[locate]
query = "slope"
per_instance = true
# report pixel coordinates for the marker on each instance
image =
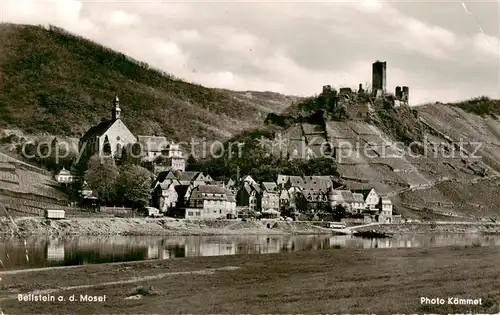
(57, 83)
(424, 158)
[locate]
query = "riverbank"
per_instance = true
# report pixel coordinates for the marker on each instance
(148, 226)
(434, 227)
(378, 281)
(100, 226)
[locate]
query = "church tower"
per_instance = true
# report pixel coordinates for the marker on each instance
(116, 111)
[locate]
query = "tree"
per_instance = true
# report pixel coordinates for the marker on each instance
(191, 163)
(339, 212)
(132, 154)
(102, 176)
(133, 186)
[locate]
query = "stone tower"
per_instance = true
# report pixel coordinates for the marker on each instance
(116, 111)
(399, 93)
(379, 69)
(406, 94)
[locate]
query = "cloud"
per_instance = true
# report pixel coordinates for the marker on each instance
(121, 18)
(293, 47)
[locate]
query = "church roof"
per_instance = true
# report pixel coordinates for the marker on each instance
(98, 130)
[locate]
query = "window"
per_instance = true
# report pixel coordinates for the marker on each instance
(198, 213)
(190, 213)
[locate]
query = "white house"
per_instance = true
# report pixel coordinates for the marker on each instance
(385, 214)
(359, 203)
(165, 196)
(207, 202)
(370, 196)
(64, 177)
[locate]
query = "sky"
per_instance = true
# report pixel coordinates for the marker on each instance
(443, 50)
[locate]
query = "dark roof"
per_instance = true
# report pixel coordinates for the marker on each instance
(210, 189)
(200, 191)
(98, 130)
(181, 190)
(188, 176)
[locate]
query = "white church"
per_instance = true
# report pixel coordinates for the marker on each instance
(111, 136)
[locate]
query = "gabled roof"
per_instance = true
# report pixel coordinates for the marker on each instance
(209, 192)
(347, 196)
(188, 176)
(210, 189)
(269, 187)
(166, 185)
(165, 175)
(219, 183)
(64, 172)
(98, 130)
(364, 192)
(153, 143)
(181, 190)
(249, 178)
(250, 187)
(358, 197)
(230, 183)
(343, 195)
(296, 180)
(282, 179)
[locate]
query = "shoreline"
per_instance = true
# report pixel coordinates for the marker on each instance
(32, 226)
(286, 283)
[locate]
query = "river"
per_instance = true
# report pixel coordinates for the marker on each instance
(45, 252)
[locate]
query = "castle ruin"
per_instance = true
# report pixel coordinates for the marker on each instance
(378, 89)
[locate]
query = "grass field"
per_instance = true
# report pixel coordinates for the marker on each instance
(375, 281)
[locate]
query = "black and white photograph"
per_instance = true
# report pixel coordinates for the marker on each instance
(249, 157)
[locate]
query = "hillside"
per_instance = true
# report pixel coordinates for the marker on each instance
(53, 82)
(423, 157)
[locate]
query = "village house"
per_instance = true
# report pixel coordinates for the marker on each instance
(164, 196)
(343, 198)
(231, 185)
(152, 146)
(248, 179)
(289, 197)
(269, 199)
(209, 202)
(64, 177)
(183, 194)
(358, 204)
(231, 205)
(385, 206)
(165, 192)
(248, 195)
(370, 197)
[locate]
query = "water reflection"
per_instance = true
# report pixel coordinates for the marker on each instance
(91, 250)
